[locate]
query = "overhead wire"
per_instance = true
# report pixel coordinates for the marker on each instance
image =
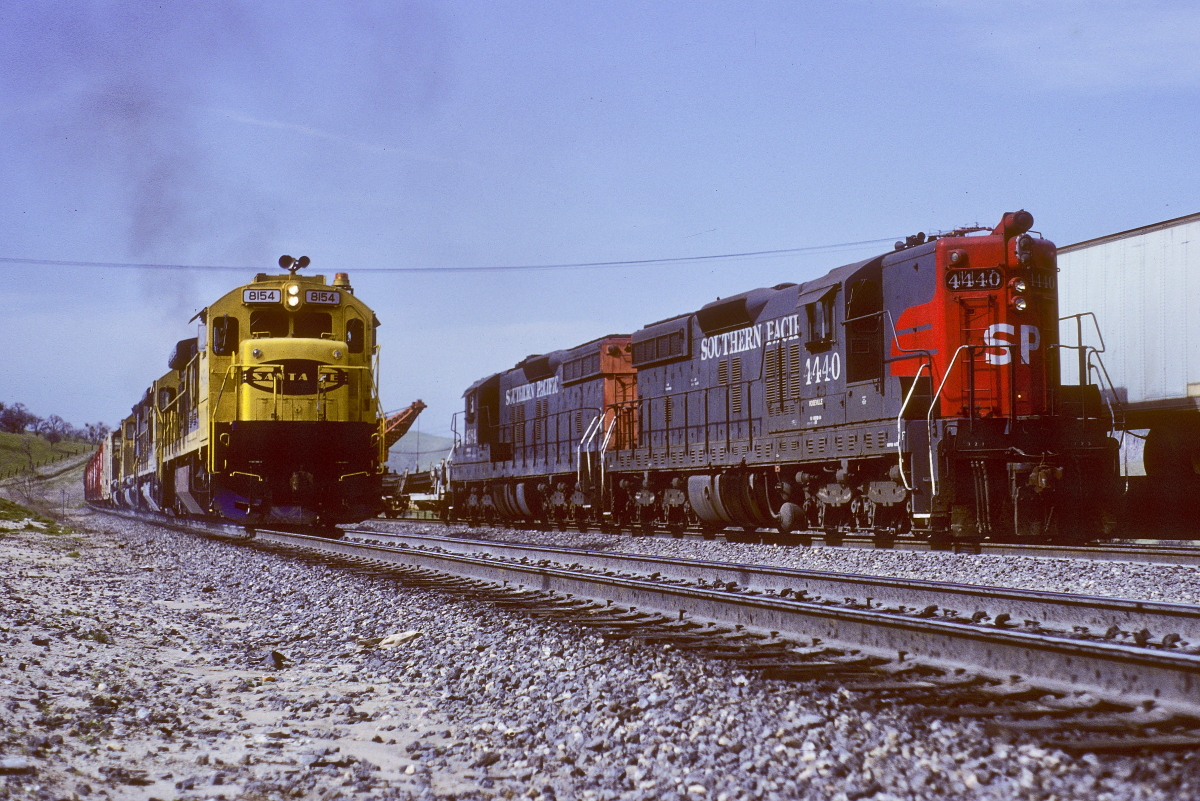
(472, 269)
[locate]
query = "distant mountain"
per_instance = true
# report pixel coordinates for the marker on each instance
(416, 450)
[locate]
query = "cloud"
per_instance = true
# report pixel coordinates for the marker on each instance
(317, 133)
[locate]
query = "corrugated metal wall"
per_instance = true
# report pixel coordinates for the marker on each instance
(1144, 287)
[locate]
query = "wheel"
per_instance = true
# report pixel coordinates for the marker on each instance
(791, 518)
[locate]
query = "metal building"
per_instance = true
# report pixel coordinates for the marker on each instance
(1143, 286)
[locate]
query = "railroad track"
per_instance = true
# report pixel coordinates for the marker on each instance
(1147, 623)
(1171, 552)
(1077, 674)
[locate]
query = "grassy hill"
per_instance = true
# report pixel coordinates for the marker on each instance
(17, 451)
(419, 451)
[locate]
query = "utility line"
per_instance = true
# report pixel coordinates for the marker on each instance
(481, 269)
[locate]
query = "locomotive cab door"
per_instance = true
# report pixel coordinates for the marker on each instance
(981, 380)
(864, 351)
(822, 378)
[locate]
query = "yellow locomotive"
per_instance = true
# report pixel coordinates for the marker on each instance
(270, 414)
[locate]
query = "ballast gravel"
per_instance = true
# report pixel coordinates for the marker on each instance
(142, 663)
(1118, 579)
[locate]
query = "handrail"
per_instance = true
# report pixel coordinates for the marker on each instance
(900, 421)
(896, 341)
(556, 433)
(588, 435)
(1112, 400)
(1085, 360)
(604, 446)
(1078, 318)
(933, 405)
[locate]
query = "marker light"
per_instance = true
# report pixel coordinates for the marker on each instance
(1024, 248)
(256, 353)
(337, 354)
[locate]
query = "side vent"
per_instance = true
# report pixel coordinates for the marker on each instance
(663, 342)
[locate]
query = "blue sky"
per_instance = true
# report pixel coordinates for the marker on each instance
(449, 135)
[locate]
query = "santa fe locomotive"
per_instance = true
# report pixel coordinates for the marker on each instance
(917, 391)
(270, 414)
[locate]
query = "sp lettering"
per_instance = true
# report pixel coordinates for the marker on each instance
(998, 336)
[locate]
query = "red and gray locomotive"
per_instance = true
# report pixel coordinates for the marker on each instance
(915, 391)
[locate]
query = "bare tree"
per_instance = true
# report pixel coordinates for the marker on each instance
(16, 418)
(54, 429)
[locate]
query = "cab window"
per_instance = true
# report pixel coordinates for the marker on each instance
(820, 322)
(224, 335)
(312, 325)
(268, 323)
(355, 335)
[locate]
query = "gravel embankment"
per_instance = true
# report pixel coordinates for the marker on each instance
(141, 664)
(1149, 582)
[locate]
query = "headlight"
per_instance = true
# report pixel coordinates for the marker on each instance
(1020, 304)
(293, 289)
(293, 301)
(1018, 285)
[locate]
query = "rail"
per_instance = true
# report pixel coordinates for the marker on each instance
(1061, 612)
(1132, 675)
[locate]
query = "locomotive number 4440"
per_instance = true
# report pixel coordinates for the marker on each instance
(974, 279)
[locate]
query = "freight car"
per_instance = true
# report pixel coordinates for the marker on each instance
(269, 414)
(915, 391)
(1143, 341)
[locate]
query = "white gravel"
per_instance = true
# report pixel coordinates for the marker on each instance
(151, 651)
(1141, 581)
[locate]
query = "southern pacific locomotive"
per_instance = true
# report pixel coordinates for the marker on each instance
(269, 414)
(915, 391)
